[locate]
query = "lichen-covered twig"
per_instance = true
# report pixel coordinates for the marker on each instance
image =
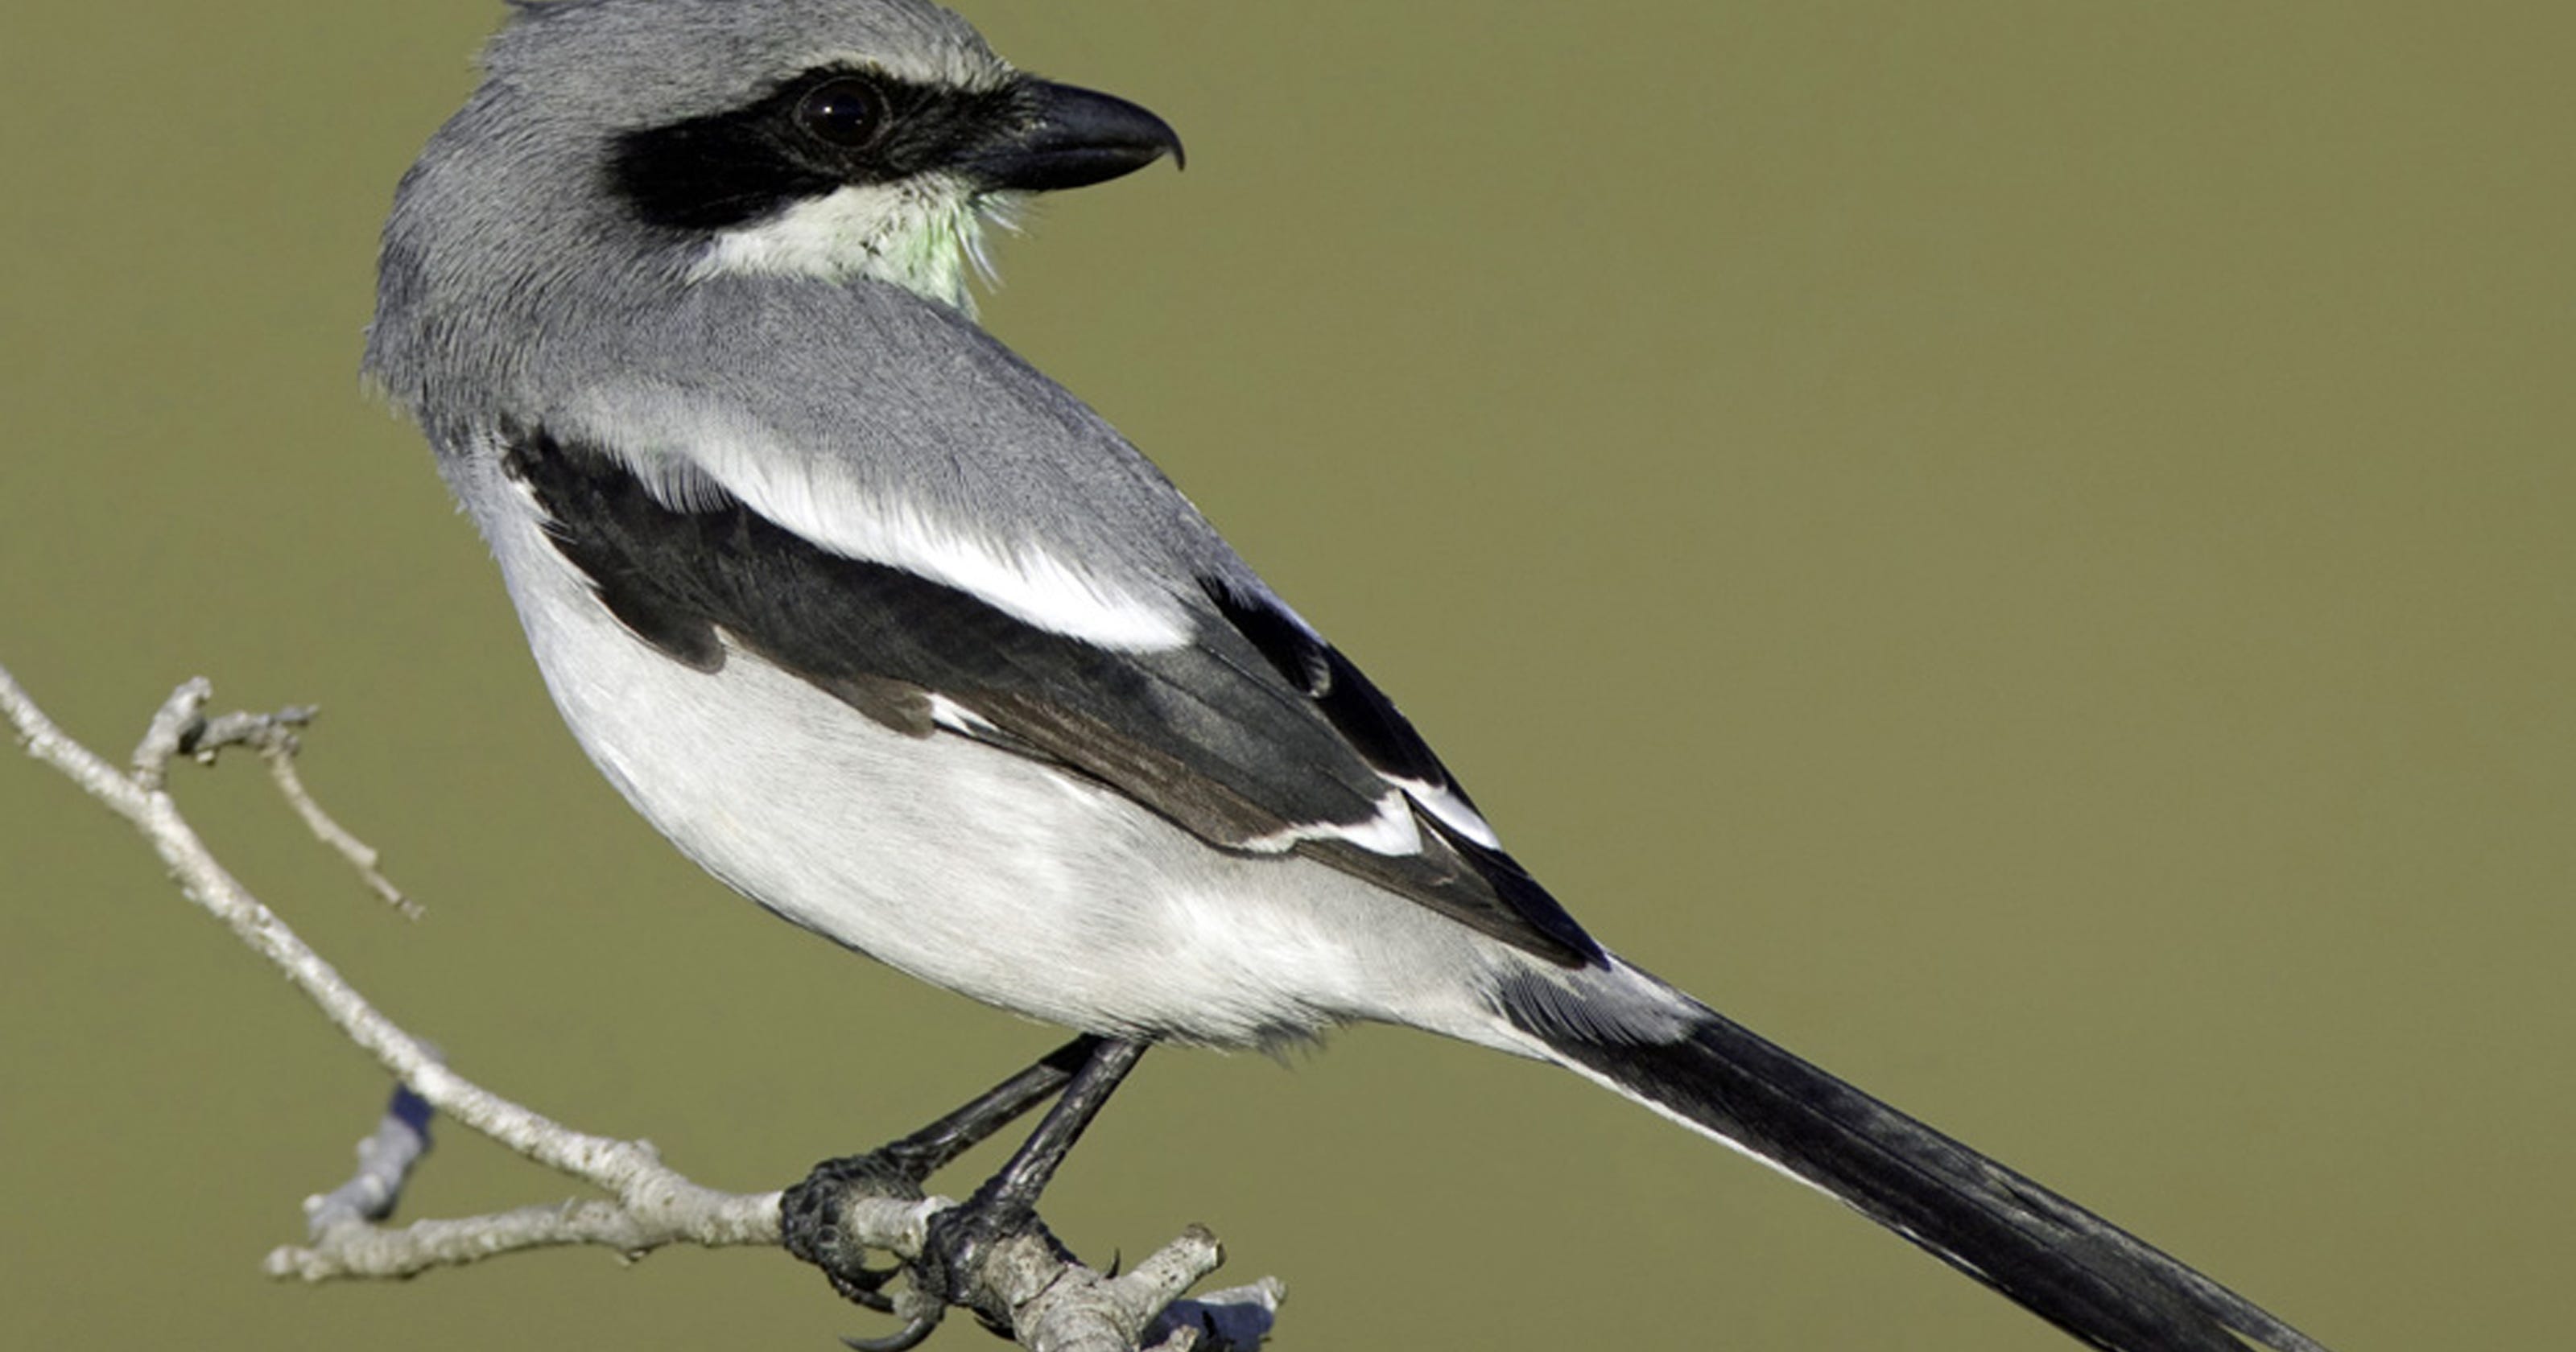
(1056, 1304)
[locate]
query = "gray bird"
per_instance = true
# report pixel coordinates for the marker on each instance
(900, 640)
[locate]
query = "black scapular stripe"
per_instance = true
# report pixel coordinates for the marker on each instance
(1209, 735)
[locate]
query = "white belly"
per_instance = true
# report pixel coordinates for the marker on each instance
(970, 867)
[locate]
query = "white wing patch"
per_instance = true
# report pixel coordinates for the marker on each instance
(956, 717)
(1441, 801)
(1391, 832)
(686, 450)
(1450, 810)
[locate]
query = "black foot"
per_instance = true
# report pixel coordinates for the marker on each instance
(957, 1240)
(809, 1216)
(955, 1244)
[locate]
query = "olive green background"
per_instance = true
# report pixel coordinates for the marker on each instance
(2020, 548)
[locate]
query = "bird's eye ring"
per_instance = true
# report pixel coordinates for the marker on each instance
(844, 111)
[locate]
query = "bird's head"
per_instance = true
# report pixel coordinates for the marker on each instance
(688, 139)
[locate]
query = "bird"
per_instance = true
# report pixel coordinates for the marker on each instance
(896, 637)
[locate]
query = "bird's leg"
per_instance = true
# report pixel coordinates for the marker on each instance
(1006, 1205)
(809, 1213)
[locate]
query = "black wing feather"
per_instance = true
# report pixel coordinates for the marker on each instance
(1255, 729)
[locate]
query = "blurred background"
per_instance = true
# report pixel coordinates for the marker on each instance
(2022, 550)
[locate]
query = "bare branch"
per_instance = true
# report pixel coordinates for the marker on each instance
(141, 800)
(168, 730)
(49, 745)
(1065, 1307)
(273, 736)
(1054, 1304)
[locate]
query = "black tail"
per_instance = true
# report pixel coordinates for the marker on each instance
(2056, 1259)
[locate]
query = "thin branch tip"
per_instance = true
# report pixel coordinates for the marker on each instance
(168, 731)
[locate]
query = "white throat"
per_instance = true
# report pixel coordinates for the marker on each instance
(925, 235)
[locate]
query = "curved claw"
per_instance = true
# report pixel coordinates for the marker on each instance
(810, 1229)
(909, 1337)
(860, 1284)
(862, 1289)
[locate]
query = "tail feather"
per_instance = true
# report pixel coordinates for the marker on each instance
(2054, 1258)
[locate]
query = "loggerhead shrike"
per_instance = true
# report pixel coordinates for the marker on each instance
(900, 640)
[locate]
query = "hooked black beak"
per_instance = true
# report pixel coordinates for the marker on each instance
(1072, 138)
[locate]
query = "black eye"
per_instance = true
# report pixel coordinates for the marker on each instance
(845, 111)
